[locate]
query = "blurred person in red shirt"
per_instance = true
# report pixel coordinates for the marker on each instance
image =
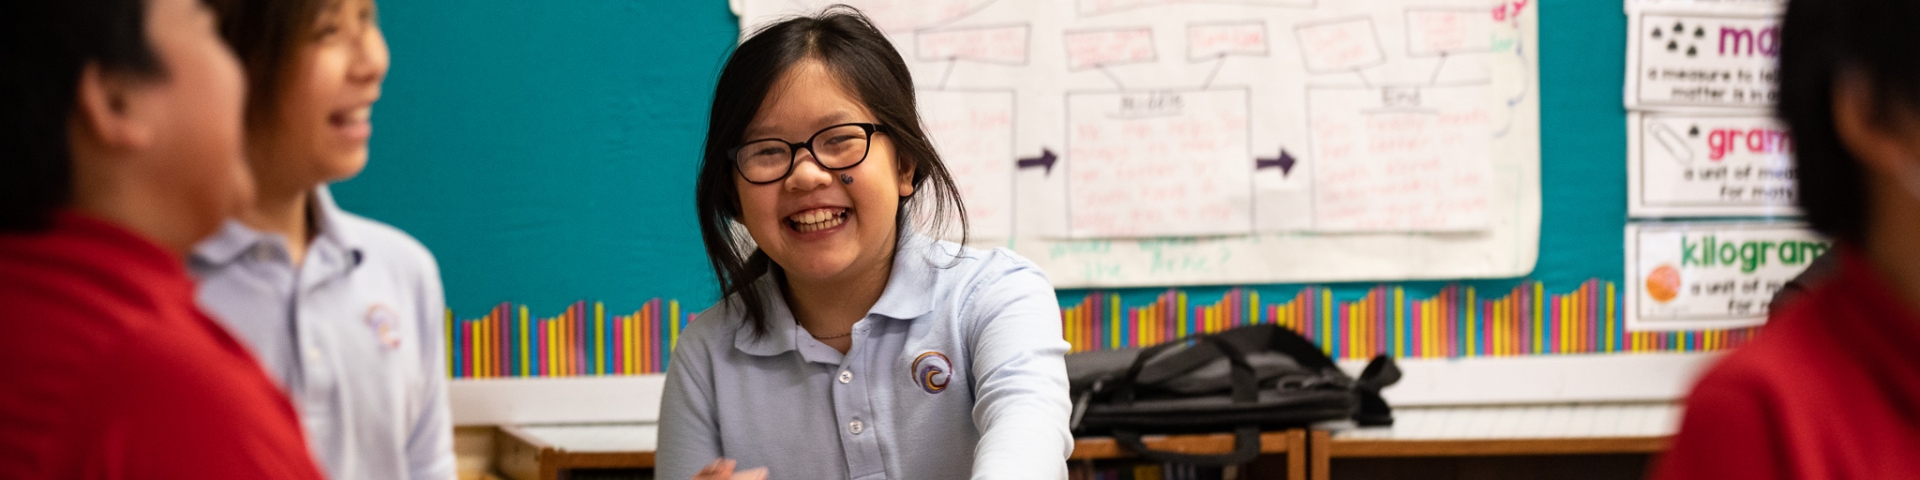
(120, 141)
(1831, 389)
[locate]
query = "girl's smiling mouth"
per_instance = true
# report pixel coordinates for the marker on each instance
(816, 219)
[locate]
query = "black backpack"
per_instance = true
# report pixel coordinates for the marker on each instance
(1243, 380)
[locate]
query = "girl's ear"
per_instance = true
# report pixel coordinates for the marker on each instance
(906, 178)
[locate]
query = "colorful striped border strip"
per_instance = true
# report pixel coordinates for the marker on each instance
(580, 341)
(1455, 322)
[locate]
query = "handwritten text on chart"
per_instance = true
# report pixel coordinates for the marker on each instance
(905, 15)
(1711, 161)
(1436, 31)
(1704, 61)
(1097, 48)
(1210, 40)
(1170, 163)
(1340, 45)
(973, 131)
(1175, 256)
(1095, 7)
(1681, 275)
(1510, 11)
(1004, 45)
(1401, 158)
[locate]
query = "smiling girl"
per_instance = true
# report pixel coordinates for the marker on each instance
(848, 344)
(344, 312)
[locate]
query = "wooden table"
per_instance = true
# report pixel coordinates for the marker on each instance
(1572, 429)
(543, 452)
(1293, 443)
(532, 452)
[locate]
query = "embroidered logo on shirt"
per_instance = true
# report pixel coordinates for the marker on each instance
(931, 371)
(384, 322)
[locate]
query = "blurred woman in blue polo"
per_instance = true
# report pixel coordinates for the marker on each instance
(344, 312)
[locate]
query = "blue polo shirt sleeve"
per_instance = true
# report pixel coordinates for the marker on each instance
(1018, 353)
(689, 438)
(430, 443)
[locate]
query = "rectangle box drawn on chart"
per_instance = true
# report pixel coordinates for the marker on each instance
(1101, 7)
(1088, 49)
(1159, 163)
(1339, 45)
(973, 130)
(1002, 44)
(1401, 158)
(1441, 31)
(1208, 41)
(890, 16)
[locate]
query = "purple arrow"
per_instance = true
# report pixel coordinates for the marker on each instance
(1045, 160)
(1285, 163)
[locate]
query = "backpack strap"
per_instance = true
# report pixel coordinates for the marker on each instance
(1293, 345)
(1246, 389)
(1374, 411)
(1123, 387)
(1380, 373)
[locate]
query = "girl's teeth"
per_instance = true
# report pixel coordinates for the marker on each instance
(816, 220)
(815, 216)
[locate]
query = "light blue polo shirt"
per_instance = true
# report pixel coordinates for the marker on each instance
(957, 372)
(353, 335)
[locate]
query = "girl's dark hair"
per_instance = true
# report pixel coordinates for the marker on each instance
(1820, 40)
(44, 46)
(866, 64)
(267, 35)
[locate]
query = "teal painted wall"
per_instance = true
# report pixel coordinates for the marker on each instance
(545, 151)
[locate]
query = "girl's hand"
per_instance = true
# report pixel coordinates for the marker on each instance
(722, 469)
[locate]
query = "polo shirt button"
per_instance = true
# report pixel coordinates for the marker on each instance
(856, 427)
(846, 377)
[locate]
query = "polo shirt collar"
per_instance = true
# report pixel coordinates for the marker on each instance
(328, 217)
(227, 244)
(1874, 316)
(781, 327)
(235, 238)
(908, 295)
(111, 246)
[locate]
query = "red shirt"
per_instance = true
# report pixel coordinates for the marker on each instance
(1830, 390)
(108, 369)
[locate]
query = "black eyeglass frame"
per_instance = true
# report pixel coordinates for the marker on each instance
(793, 150)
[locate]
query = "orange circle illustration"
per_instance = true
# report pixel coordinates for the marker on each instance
(1664, 283)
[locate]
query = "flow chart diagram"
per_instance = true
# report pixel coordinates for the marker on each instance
(1245, 124)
